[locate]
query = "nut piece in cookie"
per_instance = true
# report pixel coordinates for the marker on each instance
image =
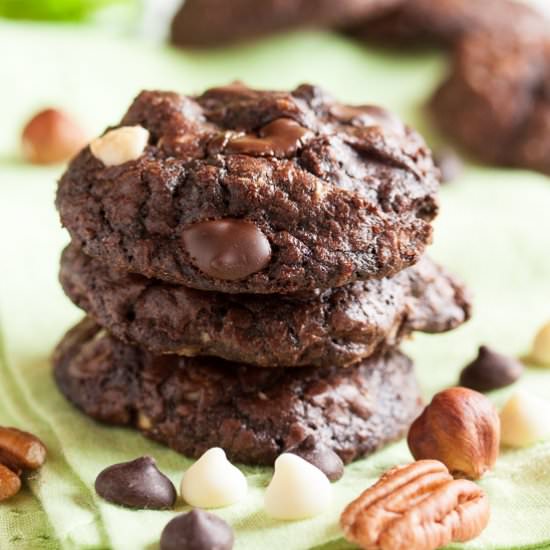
(298, 490)
(490, 371)
(52, 136)
(460, 428)
(120, 145)
(416, 507)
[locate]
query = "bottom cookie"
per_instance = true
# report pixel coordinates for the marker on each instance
(254, 414)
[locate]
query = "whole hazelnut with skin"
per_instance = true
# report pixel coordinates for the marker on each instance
(460, 428)
(50, 137)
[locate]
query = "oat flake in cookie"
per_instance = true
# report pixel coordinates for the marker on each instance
(254, 414)
(324, 193)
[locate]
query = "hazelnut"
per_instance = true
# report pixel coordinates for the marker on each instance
(524, 420)
(120, 145)
(460, 428)
(52, 136)
(540, 353)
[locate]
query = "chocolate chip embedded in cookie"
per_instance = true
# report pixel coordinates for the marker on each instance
(227, 249)
(216, 22)
(496, 101)
(240, 190)
(444, 22)
(335, 327)
(253, 414)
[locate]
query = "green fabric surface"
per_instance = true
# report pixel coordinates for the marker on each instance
(494, 231)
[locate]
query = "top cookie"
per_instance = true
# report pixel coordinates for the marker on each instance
(215, 22)
(239, 190)
(443, 22)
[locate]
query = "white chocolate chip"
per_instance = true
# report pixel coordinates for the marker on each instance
(120, 145)
(213, 482)
(524, 420)
(298, 490)
(541, 347)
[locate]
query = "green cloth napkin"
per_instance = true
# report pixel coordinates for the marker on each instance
(494, 230)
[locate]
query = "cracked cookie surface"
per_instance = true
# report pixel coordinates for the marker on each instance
(330, 328)
(321, 193)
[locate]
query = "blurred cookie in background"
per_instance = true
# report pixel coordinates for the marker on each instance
(205, 23)
(444, 22)
(496, 101)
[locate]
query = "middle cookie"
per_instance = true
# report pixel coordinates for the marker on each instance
(335, 327)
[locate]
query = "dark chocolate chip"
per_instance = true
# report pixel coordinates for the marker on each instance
(197, 530)
(279, 138)
(367, 115)
(490, 371)
(320, 456)
(136, 484)
(227, 249)
(449, 164)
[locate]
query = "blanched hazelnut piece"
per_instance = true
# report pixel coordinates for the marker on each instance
(525, 419)
(540, 353)
(52, 136)
(213, 482)
(460, 428)
(120, 145)
(298, 490)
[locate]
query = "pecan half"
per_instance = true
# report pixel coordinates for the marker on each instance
(416, 507)
(9, 483)
(21, 450)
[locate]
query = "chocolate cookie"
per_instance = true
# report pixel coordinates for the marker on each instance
(335, 327)
(496, 101)
(216, 22)
(192, 404)
(444, 22)
(241, 190)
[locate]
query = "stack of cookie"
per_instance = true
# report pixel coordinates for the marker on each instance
(249, 262)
